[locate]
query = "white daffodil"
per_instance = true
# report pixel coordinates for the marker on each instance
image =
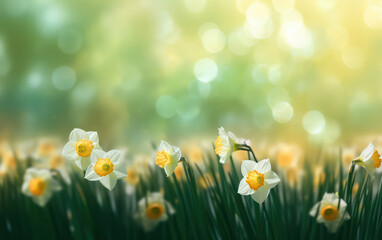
(39, 184)
(152, 210)
(227, 143)
(370, 159)
(106, 168)
(80, 147)
(257, 180)
(167, 157)
(329, 214)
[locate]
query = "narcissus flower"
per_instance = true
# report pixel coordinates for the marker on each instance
(80, 146)
(329, 213)
(257, 180)
(152, 210)
(227, 143)
(106, 168)
(39, 184)
(370, 159)
(167, 157)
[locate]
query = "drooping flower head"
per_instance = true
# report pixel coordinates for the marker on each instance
(258, 179)
(106, 168)
(226, 143)
(329, 213)
(39, 185)
(152, 210)
(370, 159)
(167, 157)
(80, 146)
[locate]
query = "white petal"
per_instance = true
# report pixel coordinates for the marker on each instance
(43, 199)
(222, 133)
(169, 207)
(69, 151)
(91, 175)
(93, 136)
(83, 163)
(272, 179)
(25, 188)
(244, 188)
(176, 155)
(313, 211)
(77, 134)
(109, 181)
(332, 225)
(367, 153)
(114, 156)
(96, 154)
(246, 166)
(165, 146)
(264, 166)
(369, 168)
(260, 194)
(169, 168)
(120, 173)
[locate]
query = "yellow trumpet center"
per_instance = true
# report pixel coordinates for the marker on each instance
(163, 158)
(376, 159)
(154, 211)
(329, 213)
(37, 186)
(84, 147)
(255, 179)
(218, 145)
(103, 167)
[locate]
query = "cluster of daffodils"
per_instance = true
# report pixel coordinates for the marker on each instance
(257, 180)
(331, 211)
(152, 210)
(370, 159)
(84, 150)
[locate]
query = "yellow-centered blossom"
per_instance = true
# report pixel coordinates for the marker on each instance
(80, 147)
(167, 157)
(106, 167)
(226, 143)
(370, 159)
(39, 185)
(258, 179)
(329, 213)
(152, 210)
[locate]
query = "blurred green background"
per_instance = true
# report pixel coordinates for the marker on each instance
(140, 71)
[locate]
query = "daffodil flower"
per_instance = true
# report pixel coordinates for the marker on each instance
(329, 213)
(106, 168)
(370, 159)
(167, 157)
(257, 180)
(80, 146)
(152, 210)
(39, 185)
(226, 143)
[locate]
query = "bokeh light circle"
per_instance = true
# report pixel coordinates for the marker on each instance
(63, 78)
(166, 106)
(282, 112)
(313, 122)
(205, 70)
(213, 40)
(69, 41)
(258, 13)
